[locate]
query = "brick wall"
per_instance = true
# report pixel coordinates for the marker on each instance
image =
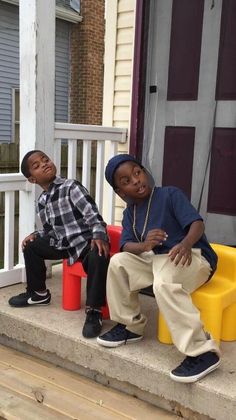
(87, 51)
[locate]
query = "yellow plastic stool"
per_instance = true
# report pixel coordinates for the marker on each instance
(216, 300)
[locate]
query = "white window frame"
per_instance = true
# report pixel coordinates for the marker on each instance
(13, 113)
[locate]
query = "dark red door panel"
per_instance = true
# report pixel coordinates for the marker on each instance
(178, 158)
(222, 182)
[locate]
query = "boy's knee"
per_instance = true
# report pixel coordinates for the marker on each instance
(166, 289)
(28, 247)
(118, 259)
(94, 257)
(160, 287)
(156, 289)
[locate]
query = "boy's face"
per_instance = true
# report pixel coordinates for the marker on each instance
(132, 182)
(42, 169)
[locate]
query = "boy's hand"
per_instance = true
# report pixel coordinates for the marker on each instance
(181, 252)
(154, 237)
(103, 247)
(28, 238)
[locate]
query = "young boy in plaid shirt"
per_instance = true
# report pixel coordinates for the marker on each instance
(72, 228)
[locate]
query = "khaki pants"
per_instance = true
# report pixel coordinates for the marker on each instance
(172, 285)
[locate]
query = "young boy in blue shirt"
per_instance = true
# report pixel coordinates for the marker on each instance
(72, 228)
(163, 244)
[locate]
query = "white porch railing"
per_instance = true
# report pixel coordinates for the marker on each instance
(89, 134)
(11, 183)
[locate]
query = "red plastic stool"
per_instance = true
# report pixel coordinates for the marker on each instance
(72, 274)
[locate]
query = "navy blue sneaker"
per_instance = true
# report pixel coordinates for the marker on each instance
(117, 336)
(194, 368)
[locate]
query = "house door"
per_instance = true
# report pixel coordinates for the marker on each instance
(190, 106)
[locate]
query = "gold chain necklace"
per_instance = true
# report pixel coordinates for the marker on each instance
(146, 218)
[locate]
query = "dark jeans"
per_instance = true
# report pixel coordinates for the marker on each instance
(39, 250)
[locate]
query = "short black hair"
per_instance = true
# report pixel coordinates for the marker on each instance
(24, 163)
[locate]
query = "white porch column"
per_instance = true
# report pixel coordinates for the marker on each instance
(37, 92)
(108, 98)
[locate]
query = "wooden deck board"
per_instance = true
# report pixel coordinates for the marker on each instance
(31, 389)
(16, 407)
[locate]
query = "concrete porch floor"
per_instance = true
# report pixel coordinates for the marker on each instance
(141, 369)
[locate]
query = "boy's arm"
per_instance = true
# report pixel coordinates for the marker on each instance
(88, 208)
(182, 251)
(45, 228)
(154, 237)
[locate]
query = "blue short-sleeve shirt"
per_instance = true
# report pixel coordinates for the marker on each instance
(171, 211)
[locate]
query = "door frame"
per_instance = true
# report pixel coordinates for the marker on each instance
(139, 77)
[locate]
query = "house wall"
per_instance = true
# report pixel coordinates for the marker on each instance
(87, 54)
(119, 46)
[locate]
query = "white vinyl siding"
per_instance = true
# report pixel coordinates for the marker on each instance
(123, 64)
(117, 89)
(9, 65)
(62, 70)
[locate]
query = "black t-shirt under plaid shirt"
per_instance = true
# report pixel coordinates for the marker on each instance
(70, 217)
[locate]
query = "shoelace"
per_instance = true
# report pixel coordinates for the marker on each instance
(191, 362)
(117, 329)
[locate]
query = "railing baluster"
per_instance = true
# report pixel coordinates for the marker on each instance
(100, 174)
(72, 158)
(86, 170)
(57, 155)
(111, 195)
(9, 226)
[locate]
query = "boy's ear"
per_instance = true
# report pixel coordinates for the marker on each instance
(32, 180)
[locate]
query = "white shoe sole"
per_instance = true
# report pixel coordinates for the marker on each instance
(31, 305)
(190, 379)
(113, 344)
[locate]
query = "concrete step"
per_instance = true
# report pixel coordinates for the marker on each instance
(141, 369)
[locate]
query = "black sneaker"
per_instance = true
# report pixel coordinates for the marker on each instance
(117, 336)
(194, 368)
(93, 323)
(30, 299)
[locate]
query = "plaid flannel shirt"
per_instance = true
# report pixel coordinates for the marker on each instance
(70, 217)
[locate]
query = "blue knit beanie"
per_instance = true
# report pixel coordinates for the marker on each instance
(113, 164)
